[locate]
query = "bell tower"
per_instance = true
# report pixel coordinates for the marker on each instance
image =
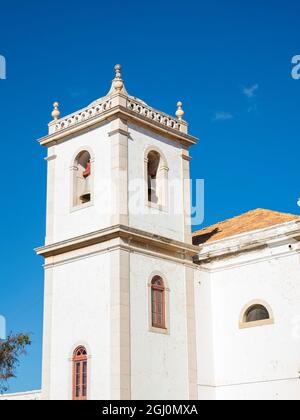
(119, 274)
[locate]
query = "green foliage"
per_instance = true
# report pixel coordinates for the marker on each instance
(11, 350)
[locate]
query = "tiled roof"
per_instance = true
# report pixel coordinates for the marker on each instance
(247, 222)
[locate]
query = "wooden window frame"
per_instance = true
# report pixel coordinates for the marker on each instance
(80, 374)
(243, 324)
(156, 291)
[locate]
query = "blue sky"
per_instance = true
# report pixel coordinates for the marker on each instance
(230, 64)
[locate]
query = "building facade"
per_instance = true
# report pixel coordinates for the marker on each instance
(135, 306)
(247, 264)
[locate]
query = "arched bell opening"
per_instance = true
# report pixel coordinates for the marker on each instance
(82, 179)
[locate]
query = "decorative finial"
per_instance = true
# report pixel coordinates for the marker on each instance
(56, 112)
(118, 69)
(117, 83)
(180, 111)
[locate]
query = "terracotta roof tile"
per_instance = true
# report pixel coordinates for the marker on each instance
(247, 222)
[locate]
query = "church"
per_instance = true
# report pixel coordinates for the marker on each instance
(136, 306)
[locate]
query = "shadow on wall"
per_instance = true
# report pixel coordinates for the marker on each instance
(201, 239)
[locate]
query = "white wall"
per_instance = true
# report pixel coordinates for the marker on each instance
(158, 361)
(80, 315)
(168, 223)
(255, 363)
(272, 391)
(204, 336)
(67, 222)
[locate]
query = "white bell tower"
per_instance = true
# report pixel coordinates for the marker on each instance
(119, 275)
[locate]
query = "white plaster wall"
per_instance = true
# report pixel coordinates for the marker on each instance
(159, 363)
(254, 363)
(80, 315)
(67, 222)
(168, 223)
(204, 336)
(272, 391)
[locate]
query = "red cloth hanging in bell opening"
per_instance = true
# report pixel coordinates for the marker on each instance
(87, 171)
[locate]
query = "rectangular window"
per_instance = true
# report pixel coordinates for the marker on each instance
(157, 308)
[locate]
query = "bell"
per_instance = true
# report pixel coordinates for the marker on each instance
(85, 197)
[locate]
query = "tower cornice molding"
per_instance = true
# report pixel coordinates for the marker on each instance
(128, 234)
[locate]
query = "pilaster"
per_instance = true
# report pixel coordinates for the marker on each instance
(47, 334)
(191, 333)
(119, 165)
(51, 158)
(120, 325)
(186, 196)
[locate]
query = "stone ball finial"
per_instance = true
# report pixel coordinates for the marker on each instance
(118, 69)
(180, 111)
(56, 112)
(118, 83)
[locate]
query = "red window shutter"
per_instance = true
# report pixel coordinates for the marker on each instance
(158, 303)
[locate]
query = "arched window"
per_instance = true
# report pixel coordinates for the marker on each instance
(152, 173)
(158, 303)
(82, 179)
(80, 374)
(256, 313)
(157, 179)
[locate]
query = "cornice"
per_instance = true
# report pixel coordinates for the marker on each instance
(217, 265)
(119, 231)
